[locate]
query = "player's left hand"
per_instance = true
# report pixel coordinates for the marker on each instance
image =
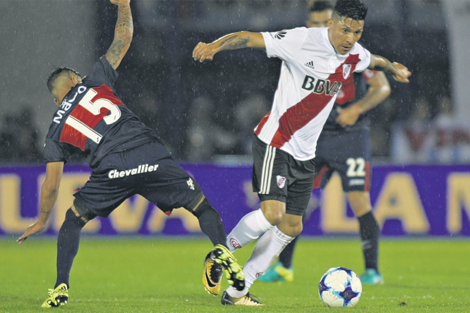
(203, 52)
(31, 230)
(348, 116)
(401, 73)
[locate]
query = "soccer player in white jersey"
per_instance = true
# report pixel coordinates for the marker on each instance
(316, 61)
(348, 123)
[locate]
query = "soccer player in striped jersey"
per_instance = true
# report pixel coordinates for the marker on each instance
(316, 62)
(126, 157)
(344, 147)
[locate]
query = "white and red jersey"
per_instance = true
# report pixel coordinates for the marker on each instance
(311, 76)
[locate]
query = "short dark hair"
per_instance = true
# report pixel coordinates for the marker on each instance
(353, 9)
(321, 5)
(58, 72)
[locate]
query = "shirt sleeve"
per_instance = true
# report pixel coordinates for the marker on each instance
(56, 152)
(103, 72)
(364, 56)
(368, 74)
(285, 44)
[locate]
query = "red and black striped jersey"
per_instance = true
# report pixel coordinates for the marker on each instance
(93, 121)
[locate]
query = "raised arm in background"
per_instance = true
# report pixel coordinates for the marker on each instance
(122, 33)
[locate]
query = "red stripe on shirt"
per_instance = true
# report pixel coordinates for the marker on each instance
(105, 92)
(319, 177)
(74, 137)
(367, 186)
(300, 114)
(261, 124)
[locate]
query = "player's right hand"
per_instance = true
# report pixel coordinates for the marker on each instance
(31, 230)
(401, 73)
(203, 52)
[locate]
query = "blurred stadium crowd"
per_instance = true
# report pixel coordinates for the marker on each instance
(203, 111)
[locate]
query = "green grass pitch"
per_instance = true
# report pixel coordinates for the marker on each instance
(161, 275)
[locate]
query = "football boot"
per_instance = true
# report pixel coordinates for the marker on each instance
(57, 297)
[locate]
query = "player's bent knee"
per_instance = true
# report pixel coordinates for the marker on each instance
(360, 202)
(81, 211)
(290, 230)
(274, 211)
(202, 208)
(70, 216)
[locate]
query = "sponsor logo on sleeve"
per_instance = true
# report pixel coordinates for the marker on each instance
(280, 35)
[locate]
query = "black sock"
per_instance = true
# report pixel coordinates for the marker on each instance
(370, 231)
(67, 246)
(287, 254)
(211, 223)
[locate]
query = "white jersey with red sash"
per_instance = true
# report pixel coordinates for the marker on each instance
(311, 76)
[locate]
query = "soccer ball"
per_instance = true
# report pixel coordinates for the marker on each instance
(340, 287)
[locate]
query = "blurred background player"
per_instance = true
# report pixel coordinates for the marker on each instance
(286, 138)
(127, 158)
(344, 147)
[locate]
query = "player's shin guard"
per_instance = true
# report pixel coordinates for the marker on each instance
(370, 232)
(67, 246)
(268, 247)
(250, 227)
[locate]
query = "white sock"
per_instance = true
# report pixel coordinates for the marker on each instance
(250, 227)
(234, 293)
(268, 247)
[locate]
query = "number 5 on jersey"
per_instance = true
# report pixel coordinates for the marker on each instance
(84, 122)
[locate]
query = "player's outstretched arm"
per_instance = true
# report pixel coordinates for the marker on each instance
(122, 33)
(379, 90)
(49, 193)
(240, 40)
(399, 72)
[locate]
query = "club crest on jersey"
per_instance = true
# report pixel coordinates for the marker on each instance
(281, 181)
(346, 70)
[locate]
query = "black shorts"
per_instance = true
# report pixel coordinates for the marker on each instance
(147, 170)
(347, 153)
(278, 176)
